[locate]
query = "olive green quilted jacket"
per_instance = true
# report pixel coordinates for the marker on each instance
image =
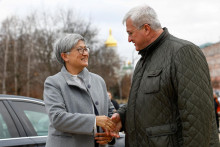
(171, 98)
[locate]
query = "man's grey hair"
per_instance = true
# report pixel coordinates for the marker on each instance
(65, 44)
(141, 15)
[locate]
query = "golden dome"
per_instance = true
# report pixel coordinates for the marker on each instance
(129, 62)
(110, 42)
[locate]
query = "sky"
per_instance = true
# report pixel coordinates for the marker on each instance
(195, 20)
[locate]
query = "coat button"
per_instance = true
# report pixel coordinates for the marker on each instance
(89, 86)
(97, 103)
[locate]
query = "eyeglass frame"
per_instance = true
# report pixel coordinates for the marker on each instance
(81, 50)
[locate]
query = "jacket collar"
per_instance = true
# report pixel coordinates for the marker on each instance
(144, 52)
(83, 75)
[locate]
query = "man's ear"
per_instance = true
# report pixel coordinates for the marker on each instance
(147, 28)
(64, 57)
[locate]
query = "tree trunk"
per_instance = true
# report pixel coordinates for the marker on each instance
(29, 69)
(15, 68)
(5, 65)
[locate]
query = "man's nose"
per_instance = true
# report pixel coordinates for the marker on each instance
(129, 39)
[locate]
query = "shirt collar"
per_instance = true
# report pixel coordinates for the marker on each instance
(154, 44)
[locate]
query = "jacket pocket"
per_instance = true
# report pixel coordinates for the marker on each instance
(151, 81)
(161, 136)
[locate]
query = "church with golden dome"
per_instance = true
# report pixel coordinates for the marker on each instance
(110, 42)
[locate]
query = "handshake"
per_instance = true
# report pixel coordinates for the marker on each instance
(111, 127)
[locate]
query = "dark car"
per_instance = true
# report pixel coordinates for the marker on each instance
(24, 122)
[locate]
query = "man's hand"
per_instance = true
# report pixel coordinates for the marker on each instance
(118, 125)
(106, 123)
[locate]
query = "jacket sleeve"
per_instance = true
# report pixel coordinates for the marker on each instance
(60, 118)
(122, 112)
(194, 97)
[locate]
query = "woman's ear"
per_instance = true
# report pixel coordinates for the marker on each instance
(64, 57)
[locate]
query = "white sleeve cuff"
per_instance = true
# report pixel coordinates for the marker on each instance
(95, 128)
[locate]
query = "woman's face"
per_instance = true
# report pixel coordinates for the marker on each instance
(75, 59)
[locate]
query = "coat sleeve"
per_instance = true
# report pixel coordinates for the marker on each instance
(60, 119)
(194, 97)
(122, 112)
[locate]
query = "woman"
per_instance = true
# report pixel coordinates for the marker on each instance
(76, 100)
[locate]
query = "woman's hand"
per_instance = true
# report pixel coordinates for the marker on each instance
(106, 123)
(103, 138)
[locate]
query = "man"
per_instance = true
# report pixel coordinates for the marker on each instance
(171, 101)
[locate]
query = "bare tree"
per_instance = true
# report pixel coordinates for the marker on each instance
(10, 30)
(6, 25)
(28, 43)
(29, 28)
(126, 84)
(15, 24)
(105, 62)
(72, 23)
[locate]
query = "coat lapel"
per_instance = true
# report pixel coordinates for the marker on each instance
(69, 79)
(85, 76)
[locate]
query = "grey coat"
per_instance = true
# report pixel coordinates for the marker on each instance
(70, 108)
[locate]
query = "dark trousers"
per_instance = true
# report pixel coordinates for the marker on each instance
(96, 113)
(96, 144)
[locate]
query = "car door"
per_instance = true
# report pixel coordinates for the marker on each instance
(10, 128)
(33, 118)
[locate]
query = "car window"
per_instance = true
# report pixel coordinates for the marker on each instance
(4, 133)
(33, 116)
(7, 126)
(39, 121)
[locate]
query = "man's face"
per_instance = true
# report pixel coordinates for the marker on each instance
(136, 35)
